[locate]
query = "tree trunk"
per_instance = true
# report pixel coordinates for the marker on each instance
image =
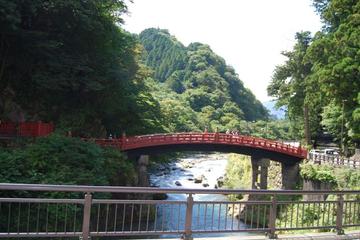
(3, 53)
(306, 125)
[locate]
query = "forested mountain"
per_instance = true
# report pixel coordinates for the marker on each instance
(209, 92)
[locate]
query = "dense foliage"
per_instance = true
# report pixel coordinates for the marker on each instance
(342, 178)
(195, 87)
(238, 172)
(322, 76)
(57, 159)
(322, 173)
(69, 62)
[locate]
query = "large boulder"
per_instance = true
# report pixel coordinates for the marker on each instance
(199, 179)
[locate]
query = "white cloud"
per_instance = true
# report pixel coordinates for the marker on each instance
(249, 35)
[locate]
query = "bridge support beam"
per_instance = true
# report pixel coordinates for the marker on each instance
(143, 178)
(290, 175)
(259, 172)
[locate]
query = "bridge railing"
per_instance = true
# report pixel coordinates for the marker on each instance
(85, 213)
(207, 138)
(335, 160)
(26, 129)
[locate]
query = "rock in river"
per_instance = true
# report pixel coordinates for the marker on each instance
(205, 184)
(199, 179)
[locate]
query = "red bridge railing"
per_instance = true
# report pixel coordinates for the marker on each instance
(26, 129)
(136, 142)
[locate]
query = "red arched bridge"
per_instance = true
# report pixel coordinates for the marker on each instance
(254, 146)
(154, 143)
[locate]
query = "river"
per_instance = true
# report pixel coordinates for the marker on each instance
(181, 173)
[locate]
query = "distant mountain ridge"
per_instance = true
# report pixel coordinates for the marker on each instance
(273, 111)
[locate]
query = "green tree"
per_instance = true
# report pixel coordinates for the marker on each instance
(289, 83)
(355, 123)
(335, 58)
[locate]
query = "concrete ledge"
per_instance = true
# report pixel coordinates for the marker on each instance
(322, 236)
(309, 236)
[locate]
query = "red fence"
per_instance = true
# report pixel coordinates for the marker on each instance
(128, 143)
(26, 129)
(8, 128)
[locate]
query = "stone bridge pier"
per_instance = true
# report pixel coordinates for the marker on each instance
(142, 163)
(260, 168)
(259, 172)
(290, 175)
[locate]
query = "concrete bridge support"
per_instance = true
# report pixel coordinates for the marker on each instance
(260, 168)
(142, 163)
(290, 175)
(143, 178)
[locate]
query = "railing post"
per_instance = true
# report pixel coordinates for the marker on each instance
(188, 218)
(86, 217)
(123, 140)
(339, 214)
(272, 218)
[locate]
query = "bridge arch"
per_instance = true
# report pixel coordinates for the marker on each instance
(219, 142)
(260, 150)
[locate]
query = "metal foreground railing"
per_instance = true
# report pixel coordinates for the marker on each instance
(95, 215)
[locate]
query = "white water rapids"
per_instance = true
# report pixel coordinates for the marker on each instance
(181, 172)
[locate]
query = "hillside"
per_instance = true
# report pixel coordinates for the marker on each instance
(197, 79)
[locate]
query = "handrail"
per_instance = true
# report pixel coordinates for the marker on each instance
(93, 216)
(336, 160)
(122, 189)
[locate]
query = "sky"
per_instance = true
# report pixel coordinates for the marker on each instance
(248, 34)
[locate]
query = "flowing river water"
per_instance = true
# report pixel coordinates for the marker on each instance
(181, 173)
